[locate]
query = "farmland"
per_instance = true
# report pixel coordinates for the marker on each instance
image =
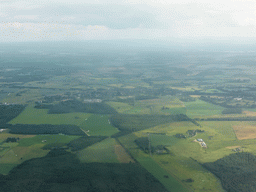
(133, 122)
(32, 115)
(98, 125)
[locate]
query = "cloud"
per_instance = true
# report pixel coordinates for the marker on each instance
(124, 19)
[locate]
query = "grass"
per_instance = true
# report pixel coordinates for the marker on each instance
(171, 128)
(32, 115)
(171, 183)
(151, 106)
(179, 162)
(201, 108)
(98, 125)
(6, 167)
(186, 168)
(28, 96)
(119, 106)
(102, 152)
(49, 139)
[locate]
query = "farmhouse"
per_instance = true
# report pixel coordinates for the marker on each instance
(203, 144)
(1, 130)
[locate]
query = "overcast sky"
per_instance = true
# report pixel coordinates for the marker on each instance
(44, 20)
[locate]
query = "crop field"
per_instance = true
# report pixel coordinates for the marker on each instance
(103, 152)
(245, 130)
(250, 113)
(32, 115)
(122, 155)
(4, 136)
(98, 125)
(201, 108)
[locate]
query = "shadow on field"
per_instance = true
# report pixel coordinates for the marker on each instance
(62, 171)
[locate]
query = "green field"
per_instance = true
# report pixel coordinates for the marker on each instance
(102, 152)
(48, 138)
(171, 183)
(151, 106)
(201, 108)
(32, 115)
(6, 167)
(120, 107)
(98, 125)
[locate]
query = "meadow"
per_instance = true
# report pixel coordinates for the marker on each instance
(98, 125)
(102, 152)
(201, 108)
(32, 115)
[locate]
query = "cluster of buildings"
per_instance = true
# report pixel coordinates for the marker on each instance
(202, 143)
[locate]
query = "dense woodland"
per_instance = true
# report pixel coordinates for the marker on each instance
(237, 172)
(30, 129)
(70, 106)
(9, 112)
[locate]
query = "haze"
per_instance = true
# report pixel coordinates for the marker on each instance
(176, 20)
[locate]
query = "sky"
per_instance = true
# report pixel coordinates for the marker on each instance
(75, 20)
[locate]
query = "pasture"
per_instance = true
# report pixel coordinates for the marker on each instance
(201, 108)
(98, 125)
(103, 152)
(148, 163)
(119, 106)
(32, 115)
(26, 97)
(6, 167)
(166, 105)
(47, 138)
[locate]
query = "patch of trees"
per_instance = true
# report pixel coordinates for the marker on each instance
(12, 139)
(180, 136)
(143, 144)
(227, 119)
(43, 106)
(144, 97)
(237, 172)
(62, 171)
(9, 112)
(187, 98)
(70, 106)
(131, 123)
(51, 146)
(84, 142)
(192, 133)
(232, 111)
(31, 129)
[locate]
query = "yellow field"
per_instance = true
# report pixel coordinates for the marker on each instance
(122, 156)
(245, 130)
(250, 113)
